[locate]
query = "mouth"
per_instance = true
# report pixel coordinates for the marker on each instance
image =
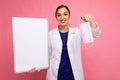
(63, 21)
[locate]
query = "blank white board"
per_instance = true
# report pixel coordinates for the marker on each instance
(30, 43)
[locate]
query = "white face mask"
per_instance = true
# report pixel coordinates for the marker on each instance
(86, 32)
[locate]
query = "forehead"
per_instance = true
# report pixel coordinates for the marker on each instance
(62, 10)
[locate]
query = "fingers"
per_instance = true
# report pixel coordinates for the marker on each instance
(83, 18)
(86, 17)
(32, 70)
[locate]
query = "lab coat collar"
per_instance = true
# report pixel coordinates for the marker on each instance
(70, 34)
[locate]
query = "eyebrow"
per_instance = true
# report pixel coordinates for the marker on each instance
(64, 12)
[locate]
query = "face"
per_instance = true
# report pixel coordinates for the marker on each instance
(62, 17)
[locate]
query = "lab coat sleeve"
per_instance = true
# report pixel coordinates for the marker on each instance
(49, 48)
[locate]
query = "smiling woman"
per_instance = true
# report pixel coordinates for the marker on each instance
(64, 47)
(62, 16)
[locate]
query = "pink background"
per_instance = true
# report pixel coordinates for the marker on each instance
(101, 62)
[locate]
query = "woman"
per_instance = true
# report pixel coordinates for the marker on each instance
(64, 47)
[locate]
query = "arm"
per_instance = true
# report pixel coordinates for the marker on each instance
(95, 29)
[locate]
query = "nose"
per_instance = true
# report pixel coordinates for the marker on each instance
(62, 16)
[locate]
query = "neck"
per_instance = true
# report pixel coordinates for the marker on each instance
(63, 28)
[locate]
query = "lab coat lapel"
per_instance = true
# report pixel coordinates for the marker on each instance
(58, 38)
(57, 34)
(70, 35)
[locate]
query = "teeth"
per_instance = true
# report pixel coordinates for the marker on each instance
(62, 21)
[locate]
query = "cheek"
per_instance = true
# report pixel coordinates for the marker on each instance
(58, 19)
(68, 18)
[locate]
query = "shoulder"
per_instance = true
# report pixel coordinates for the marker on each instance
(53, 31)
(71, 29)
(75, 29)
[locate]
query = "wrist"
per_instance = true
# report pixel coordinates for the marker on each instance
(93, 24)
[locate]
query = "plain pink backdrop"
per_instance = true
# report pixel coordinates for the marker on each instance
(101, 62)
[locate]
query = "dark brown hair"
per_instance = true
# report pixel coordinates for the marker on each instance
(62, 6)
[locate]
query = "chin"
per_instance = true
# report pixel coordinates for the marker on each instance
(63, 24)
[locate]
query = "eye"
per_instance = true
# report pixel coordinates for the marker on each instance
(58, 15)
(65, 14)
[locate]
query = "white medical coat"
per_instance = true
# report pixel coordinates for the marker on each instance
(74, 52)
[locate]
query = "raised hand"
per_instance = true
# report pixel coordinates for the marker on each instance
(88, 18)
